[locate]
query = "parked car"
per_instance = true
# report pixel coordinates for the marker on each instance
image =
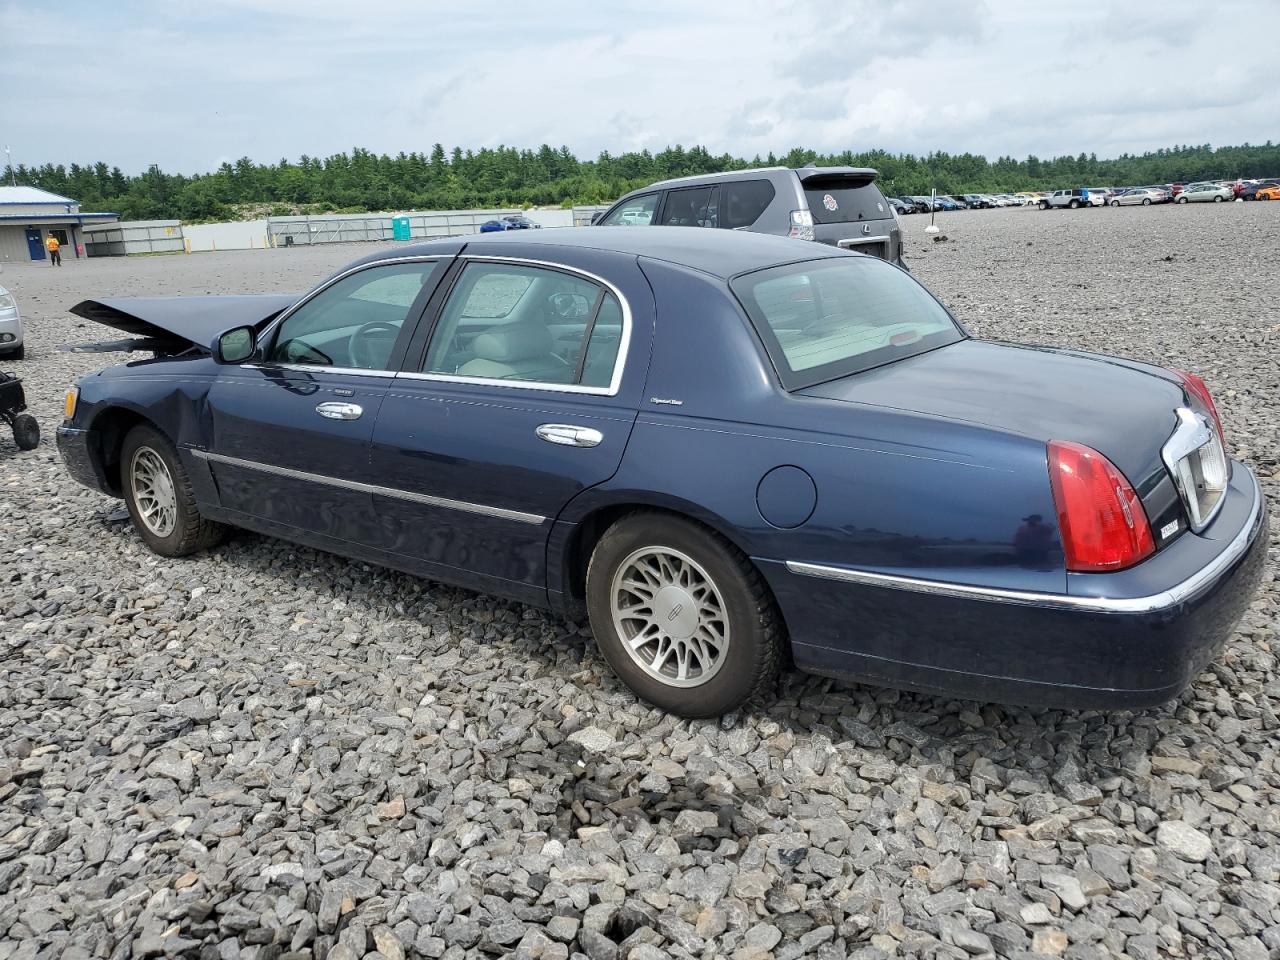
(1250, 191)
(1134, 196)
(840, 206)
(509, 222)
(1073, 199)
(855, 480)
(947, 203)
(12, 346)
(1205, 192)
(926, 204)
(914, 205)
(1098, 195)
(1267, 192)
(978, 201)
(1174, 189)
(899, 206)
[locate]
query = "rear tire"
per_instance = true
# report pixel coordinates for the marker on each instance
(17, 353)
(158, 493)
(704, 629)
(26, 431)
(1074, 204)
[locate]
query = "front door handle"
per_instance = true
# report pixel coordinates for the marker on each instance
(340, 411)
(570, 436)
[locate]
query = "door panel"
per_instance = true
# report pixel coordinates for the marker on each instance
(478, 477)
(486, 487)
(276, 457)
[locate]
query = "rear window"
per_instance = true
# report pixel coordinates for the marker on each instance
(829, 318)
(835, 200)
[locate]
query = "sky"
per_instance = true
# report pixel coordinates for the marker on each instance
(188, 86)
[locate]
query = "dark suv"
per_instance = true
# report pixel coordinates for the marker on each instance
(841, 206)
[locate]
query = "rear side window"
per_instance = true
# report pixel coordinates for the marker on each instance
(744, 201)
(692, 207)
(825, 319)
(835, 201)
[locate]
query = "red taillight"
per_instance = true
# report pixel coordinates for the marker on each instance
(1196, 387)
(1103, 524)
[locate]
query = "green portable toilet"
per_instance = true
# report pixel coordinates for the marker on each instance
(400, 228)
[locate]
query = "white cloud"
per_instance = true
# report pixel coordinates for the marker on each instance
(179, 85)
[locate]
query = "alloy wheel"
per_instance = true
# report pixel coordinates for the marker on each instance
(669, 616)
(153, 491)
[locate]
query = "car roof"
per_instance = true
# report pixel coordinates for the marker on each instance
(721, 253)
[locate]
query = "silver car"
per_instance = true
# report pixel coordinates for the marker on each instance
(1206, 193)
(1138, 196)
(10, 327)
(841, 206)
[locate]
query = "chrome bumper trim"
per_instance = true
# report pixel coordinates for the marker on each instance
(1171, 597)
(480, 508)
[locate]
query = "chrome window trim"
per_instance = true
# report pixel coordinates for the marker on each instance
(484, 509)
(294, 308)
(1170, 597)
(619, 363)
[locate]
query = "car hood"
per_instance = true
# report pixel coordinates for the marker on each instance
(1121, 408)
(171, 323)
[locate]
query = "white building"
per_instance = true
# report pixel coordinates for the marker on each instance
(28, 215)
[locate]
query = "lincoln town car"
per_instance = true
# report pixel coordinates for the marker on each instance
(729, 452)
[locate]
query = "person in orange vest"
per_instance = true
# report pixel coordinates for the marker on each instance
(52, 246)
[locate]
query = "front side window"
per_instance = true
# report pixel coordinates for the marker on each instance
(526, 324)
(692, 207)
(636, 212)
(830, 318)
(354, 322)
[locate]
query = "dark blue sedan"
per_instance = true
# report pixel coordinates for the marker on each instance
(723, 448)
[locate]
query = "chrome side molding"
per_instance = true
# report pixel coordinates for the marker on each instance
(484, 509)
(1171, 597)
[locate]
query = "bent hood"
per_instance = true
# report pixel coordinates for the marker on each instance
(167, 324)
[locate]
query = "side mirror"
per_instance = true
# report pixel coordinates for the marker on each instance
(597, 217)
(235, 345)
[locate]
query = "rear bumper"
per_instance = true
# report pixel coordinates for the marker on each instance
(1135, 643)
(73, 445)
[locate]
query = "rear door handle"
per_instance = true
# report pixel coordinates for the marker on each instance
(570, 436)
(340, 411)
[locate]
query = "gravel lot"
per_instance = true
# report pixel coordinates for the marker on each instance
(271, 752)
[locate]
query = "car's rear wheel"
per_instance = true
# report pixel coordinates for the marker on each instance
(1074, 204)
(157, 491)
(682, 616)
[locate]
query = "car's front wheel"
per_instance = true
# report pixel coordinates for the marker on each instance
(1146, 201)
(1115, 203)
(1217, 199)
(682, 616)
(157, 491)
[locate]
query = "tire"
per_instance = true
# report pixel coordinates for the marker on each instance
(1074, 204)
(1146, 201)
(1043, 205)
(1115, 203)
(747, 664)
(1217, 199)
(175, 527)
(26, 431)
(17, 353)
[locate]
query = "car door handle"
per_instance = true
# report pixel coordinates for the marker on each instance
(570, 436)
(340, 411)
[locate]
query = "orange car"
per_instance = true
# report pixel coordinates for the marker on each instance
(1268, 193)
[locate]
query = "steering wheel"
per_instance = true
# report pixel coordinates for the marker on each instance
(358, 347)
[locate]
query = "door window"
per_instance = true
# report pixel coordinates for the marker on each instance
(355, 322)
(744, 201)
(636, 212)
(527, 324)
(692, 207)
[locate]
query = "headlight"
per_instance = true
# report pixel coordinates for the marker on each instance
(69, 407)
(7, 302)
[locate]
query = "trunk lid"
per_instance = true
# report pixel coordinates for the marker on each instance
(1123, 409)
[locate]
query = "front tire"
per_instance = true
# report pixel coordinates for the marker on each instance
(158, 493)
(1115, 203)
(1217, 199)
(26, 431)
(682, 616)
(1182, 199)
(1146, 201)
(17, 353)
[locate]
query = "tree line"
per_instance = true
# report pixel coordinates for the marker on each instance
(508, 177)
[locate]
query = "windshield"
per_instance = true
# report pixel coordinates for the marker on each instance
(829, 318)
